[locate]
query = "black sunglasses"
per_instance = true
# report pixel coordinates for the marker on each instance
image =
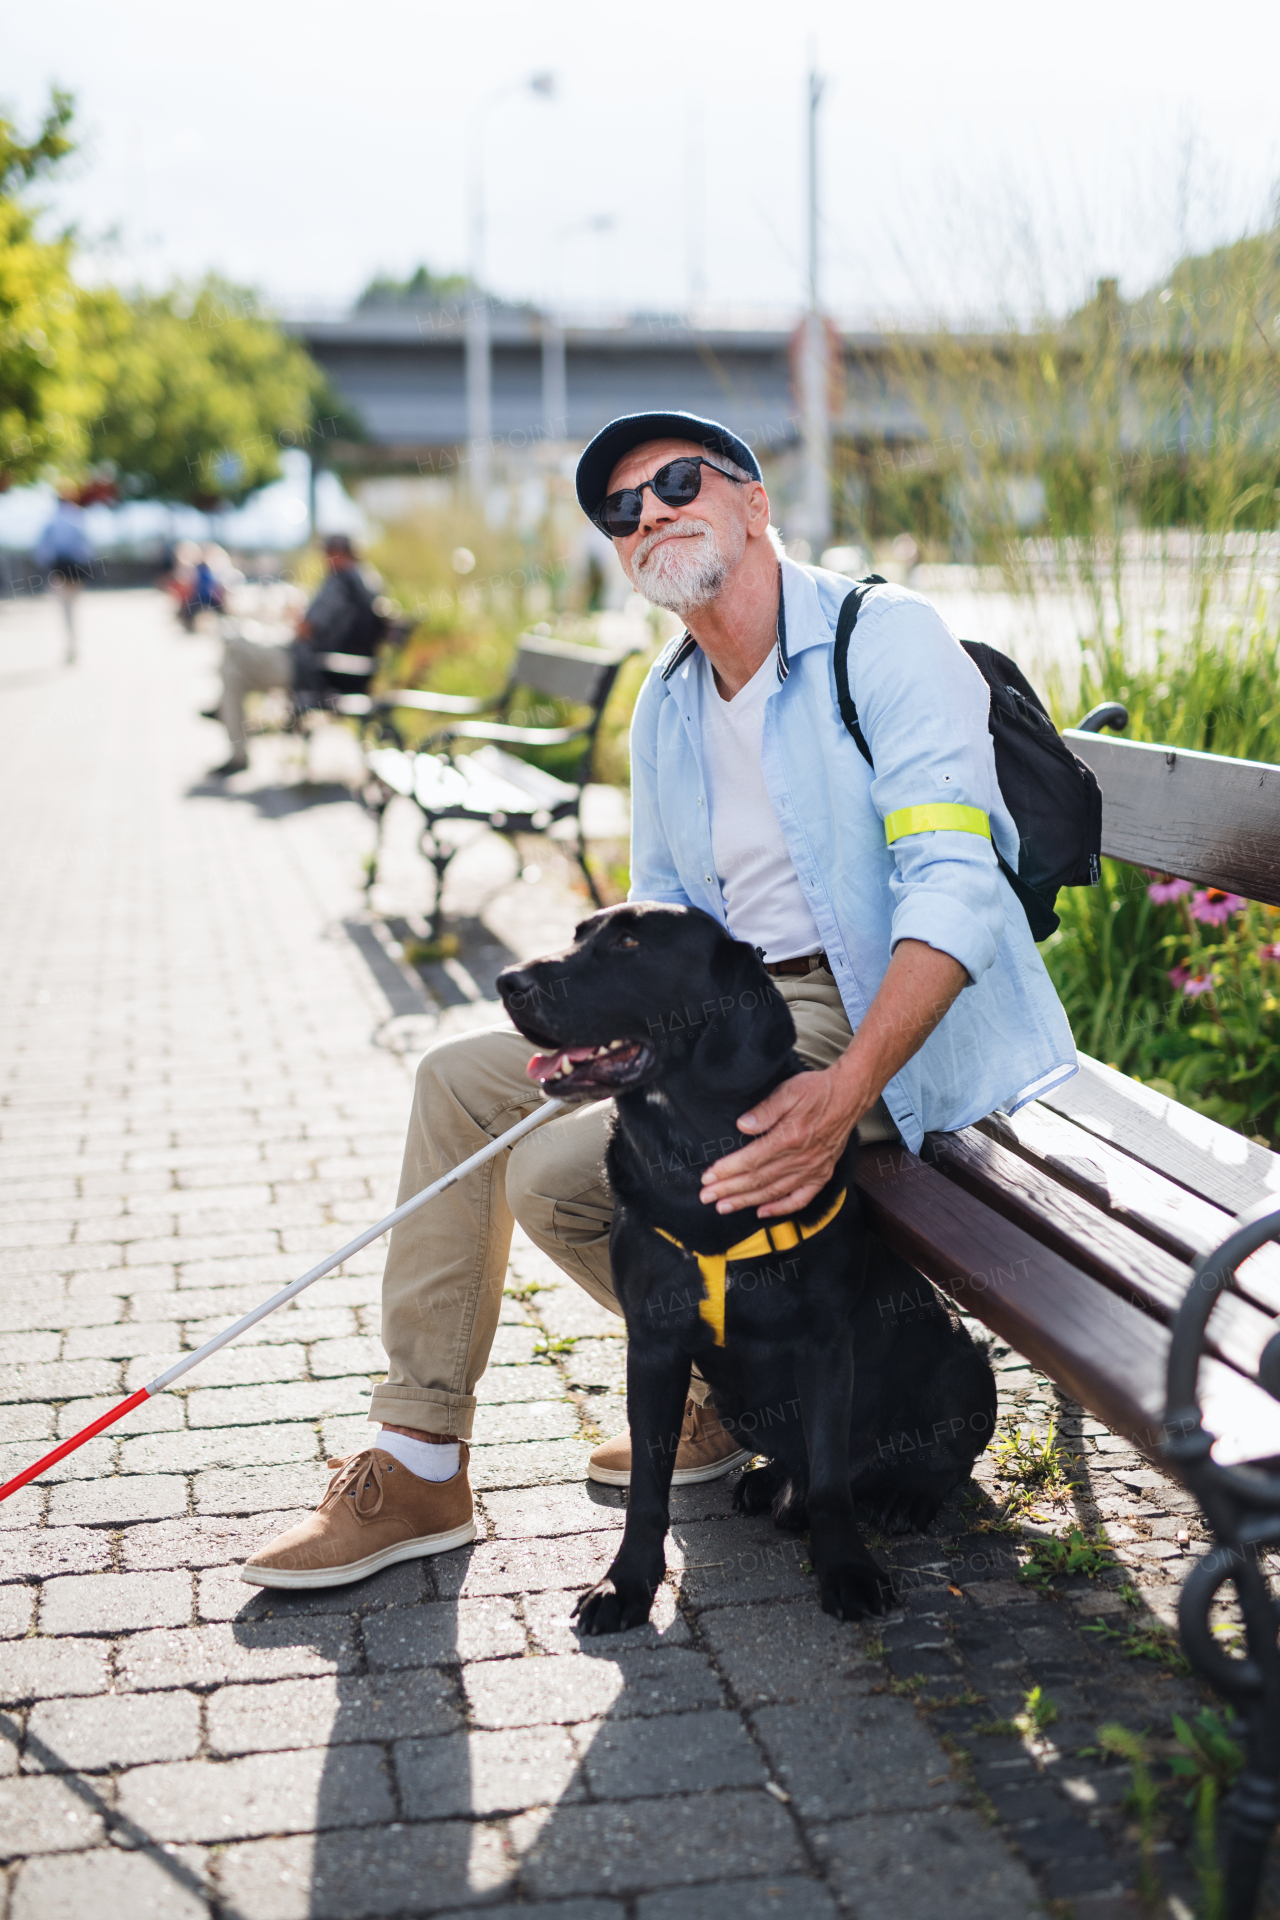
(676, 484)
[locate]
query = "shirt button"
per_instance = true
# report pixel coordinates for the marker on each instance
(707, 877)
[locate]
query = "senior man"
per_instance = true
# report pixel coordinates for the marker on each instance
(918, 995)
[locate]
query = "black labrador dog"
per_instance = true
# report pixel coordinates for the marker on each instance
(823, 1351)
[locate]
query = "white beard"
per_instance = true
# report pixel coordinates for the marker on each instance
(681, 571)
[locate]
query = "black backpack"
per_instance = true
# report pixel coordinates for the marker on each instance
(1054, 798)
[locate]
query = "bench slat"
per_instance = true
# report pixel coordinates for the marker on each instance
(1200, 815)
(1210, 1160)
(1181, 1222)
(1099, 1244)
(1105, 1353)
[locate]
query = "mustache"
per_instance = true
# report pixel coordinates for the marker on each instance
(660, 536)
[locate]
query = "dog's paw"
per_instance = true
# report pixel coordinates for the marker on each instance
(612, 1607)
(852, 1589)
(756, 1490)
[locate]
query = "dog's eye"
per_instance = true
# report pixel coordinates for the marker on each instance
(628, 941)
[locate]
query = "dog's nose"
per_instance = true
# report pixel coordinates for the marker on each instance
(515, 980)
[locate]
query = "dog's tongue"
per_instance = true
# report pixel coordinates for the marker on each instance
(544, 1065)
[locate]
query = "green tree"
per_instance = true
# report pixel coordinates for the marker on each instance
(42, 402)
(197, 391)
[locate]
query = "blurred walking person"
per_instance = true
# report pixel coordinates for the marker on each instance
(65, 555)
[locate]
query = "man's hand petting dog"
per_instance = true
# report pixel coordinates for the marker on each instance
(806, 1123)
(808, 1119)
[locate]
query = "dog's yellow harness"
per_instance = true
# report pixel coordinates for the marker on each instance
(778, 1238)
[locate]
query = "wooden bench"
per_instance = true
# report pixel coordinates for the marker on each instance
(1081, 1227)
(450, 779)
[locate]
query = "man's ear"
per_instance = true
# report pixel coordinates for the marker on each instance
(751, 1032)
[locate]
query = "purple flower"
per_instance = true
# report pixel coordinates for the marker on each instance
(1192, 984)
(1213, 907)
(1165, 889)
(1269, 953)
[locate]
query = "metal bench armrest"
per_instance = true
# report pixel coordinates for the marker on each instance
(516, 736)
(418, 702)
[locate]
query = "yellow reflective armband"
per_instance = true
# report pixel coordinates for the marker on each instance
(936, 819)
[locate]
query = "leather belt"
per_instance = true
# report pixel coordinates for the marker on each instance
(803, 963)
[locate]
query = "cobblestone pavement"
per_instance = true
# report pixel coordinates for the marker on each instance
(206, 1073)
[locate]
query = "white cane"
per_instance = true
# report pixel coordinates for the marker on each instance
(295, 1287)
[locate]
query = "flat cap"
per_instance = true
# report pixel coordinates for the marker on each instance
(633, 429)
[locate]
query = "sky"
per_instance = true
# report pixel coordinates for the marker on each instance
(973, 161)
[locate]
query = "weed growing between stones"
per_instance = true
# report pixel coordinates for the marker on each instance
(1070, 1553)
(1034, 1468)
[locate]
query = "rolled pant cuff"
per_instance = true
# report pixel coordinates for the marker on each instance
(401, 1406)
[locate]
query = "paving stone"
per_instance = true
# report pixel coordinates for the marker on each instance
(59, 1380)
(512, 1346)
(39, 1553)
(117, 1500)
(198, 1540)
(778, 1897)
(241, 1447)
(504, 1424)
(526, 1566)
(292, 1400)
(355, 1875)
(358, 1353)
(218, 1800)
(533, 1464)
(444, 1635)
(787, 1650)
(41, 1669)
(335, 1710)
(221, 1593)
(260, 1490)
(46, 1816)
(27, 1421)
(643, 1844)
(17, 1610)
(549, 1617)
(890, 1864)
(115, 1602)
(487, 1773)
(837, 1760)
(680, 1753)
(584, 1508)
(732, 1562)
(114, 1730)
(251, 1650)
(524, 1693)
(235, 1366)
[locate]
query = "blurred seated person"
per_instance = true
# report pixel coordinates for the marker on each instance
(340, 619)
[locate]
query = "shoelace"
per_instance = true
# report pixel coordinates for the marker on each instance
(358, 1477)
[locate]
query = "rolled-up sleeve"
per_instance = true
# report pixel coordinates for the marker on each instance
(923, 706)
(654, 875)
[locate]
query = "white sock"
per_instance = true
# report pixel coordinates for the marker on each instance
(428, 1459)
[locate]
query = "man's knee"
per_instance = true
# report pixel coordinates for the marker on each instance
(472, 1068)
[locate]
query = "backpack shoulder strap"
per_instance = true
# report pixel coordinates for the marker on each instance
(849, 611)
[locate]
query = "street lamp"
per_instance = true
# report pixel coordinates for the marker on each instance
(479, 346)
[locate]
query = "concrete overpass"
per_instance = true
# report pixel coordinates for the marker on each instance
(410, 376)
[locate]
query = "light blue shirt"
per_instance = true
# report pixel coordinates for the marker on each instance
(922, 705)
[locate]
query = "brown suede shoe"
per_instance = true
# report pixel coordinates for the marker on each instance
(705, 1452)
(374, 1513)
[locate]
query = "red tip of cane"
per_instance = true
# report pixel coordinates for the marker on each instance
(76, 1440)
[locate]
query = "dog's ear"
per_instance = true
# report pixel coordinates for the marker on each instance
(751, 1032)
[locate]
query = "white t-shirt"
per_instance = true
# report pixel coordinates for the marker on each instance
(762, 896)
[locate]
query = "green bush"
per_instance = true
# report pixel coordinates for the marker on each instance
(1182, 989)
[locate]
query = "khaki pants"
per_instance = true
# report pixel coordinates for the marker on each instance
(442, 1286)
(249, 666)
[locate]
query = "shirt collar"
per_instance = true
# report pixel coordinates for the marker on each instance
(801, 622)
